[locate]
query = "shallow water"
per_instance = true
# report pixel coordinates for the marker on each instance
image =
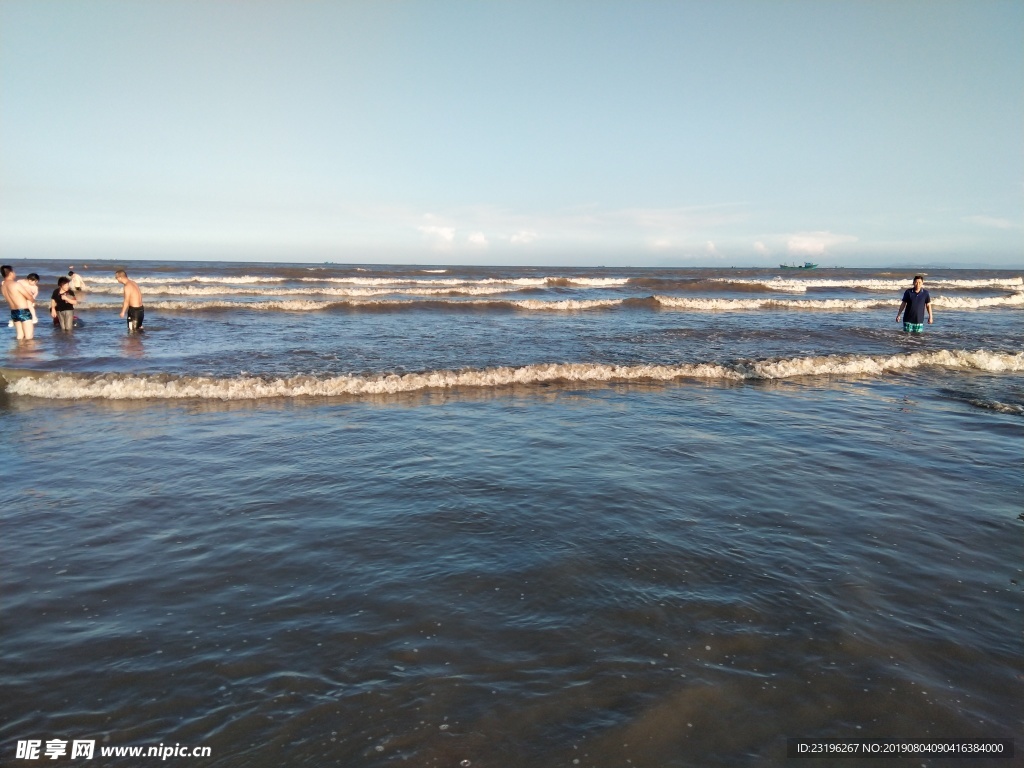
(616, 573)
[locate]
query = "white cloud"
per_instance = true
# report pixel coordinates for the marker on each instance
(443, 237)
(761, 248)
(657, 229)
(712, 250)
(992, 222)
(815, 243)
(523, 236)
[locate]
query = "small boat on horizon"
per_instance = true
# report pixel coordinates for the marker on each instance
(805, 265)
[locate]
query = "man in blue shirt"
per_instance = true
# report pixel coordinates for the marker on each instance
(917, 302)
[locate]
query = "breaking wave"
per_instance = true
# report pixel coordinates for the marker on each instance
(790, 285)
(226, 279)
(368, 299)
(310, 305)
(412, 289)
(118, 386)
(1014, 409)
(167, 284)
(949, 302)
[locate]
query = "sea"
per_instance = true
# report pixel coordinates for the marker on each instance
(375, 515)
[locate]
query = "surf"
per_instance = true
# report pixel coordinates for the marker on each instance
(125, 386)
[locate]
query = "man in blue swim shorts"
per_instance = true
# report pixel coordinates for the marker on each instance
(917, 303)
(19, 302)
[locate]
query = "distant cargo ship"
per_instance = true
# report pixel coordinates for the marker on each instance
(805, 265)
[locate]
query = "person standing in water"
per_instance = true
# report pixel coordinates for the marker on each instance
(132, 306)
(917, 303)
(19, 302)
(76, 281)
(62, 304)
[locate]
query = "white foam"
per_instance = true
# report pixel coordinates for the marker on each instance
(948, 302)
(365, 298)
(168, 284)
(167, 387)
(286, 305)
(710, 305)
(401, 282)
(309, 305)
(956, 302)
(565, 305)
(995, 405)
(597, 282)
(160, 279)
(410, 290)
(800, 285)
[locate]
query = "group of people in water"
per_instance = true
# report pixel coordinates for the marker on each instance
(21, 296)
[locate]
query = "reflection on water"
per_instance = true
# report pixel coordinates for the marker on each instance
(133, 346)
(65, 344)
(24, 351)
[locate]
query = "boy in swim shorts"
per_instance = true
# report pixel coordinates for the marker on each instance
(30, 287)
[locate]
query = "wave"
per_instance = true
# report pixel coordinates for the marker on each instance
(227, 280)
(520, 282)
(312, 305)
(948, 302)
(956, 302)
(710, 305)
(566, 304)
(367, 301)
(410, 290)
(790, 285)
(166, 284)
(119, 386)
(986, 403)
(1013, 409)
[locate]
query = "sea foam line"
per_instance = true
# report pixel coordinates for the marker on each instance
(320, 290)
(568, 305)
(948, 302)
(799, 285)
(508, 283)
(310, 305)
(118, 386)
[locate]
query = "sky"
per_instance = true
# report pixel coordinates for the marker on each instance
(659, 132)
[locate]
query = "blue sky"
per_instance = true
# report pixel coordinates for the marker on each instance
(641, 133)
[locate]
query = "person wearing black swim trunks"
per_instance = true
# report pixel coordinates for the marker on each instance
(19, 302)
(132, 306)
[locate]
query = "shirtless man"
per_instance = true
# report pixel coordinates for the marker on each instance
(19, 302)
(132, 306)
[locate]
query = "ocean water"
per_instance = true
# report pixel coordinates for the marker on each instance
(449, 516)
